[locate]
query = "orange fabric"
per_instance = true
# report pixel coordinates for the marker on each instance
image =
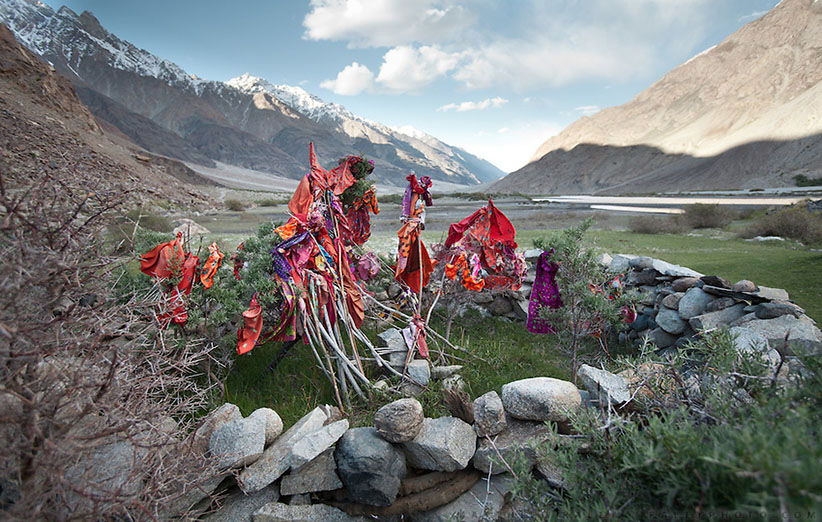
(301, 200)
(160, 260)
(412, 253)
(252, 327)
(211, 265)
(288, 230)
(175, 305)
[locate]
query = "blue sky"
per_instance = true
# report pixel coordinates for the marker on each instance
(496, 77)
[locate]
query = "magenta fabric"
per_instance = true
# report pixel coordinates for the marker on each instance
(544, 294)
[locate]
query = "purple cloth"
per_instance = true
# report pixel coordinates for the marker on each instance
(544, 294)
(281, 265)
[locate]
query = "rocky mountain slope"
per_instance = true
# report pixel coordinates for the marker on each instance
(247, 122)
(746, 113)
(47, 136)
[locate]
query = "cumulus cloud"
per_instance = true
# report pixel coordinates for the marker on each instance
(474, 106)
(406, 69)
(352, 80)
(385, 23)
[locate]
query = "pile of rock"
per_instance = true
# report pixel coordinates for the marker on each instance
(426, 468)
(676, 304)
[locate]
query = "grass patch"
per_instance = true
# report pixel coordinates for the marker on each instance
(234, 205)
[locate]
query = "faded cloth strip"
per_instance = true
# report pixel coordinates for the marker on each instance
(252, 327)
(544, 295)
(211, 265)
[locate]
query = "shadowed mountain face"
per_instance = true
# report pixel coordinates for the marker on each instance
(744, 114)
(247, 122)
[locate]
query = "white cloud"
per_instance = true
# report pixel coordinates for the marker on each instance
(503, 130)
(385, 23)
(352, 80)
(496, 103)
(587, 110)
(752, 16)
(406, 69)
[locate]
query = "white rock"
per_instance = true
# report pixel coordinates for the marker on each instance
(540, 398)
(273, 423)
(443, 444)
(311, 445)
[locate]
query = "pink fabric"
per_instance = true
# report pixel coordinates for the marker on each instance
(544, 295)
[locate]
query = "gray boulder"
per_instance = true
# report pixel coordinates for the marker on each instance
(311, 445)
(772, 294)
(240, 507)
(277, 458)
(370, 467)
(273, 423)
(420, 371)
(748, 341)
(399, 421)
(443, 444)
(489, 414)
(720, 304)
(442, 372)
(604, 385)
(711, 320)
(224, 414)
(239, 442)
(390, 338)
(540, 398)
(694, 302)
(775, 309)
(670, 321)
(318, 475)
(744, 285)
(500, 306)
(661, 338)
(279, 512)
(519, 437)
(803, 336)
(672, 300)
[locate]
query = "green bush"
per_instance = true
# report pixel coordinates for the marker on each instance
(795, 222)
(234, 205)
(804, 181)
(271, 202)
(700, 215)
(723, 452)
(657, 225)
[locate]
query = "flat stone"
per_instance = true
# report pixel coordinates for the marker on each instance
(670, 321)
(443, 444)
(744, 285)
(683, 284)
(803, 337)
(484, 501)
(370, 467)
(483, 297)
(299, 500)
(540, 398)
(532, 254)
(273, 423)
(661, 338)
(311, 445)
(646, 276)
(112, 469)
(716, 319)
(318, 475)
(604, 260)
(720, 304)
(519, 438)
(750, 342)
(501, 305)
(693, 303)
(553, 474)
(399, 421)
(238, 443)
(420, 371)
(620, 263)
(279, 512)
(390, 338)
(604, 385)
(672, 300)
(441, 372)
(224, 414)
(772, 294)
(240, 507)
(715, 280)
(672, 270)
(276, 458)
(641, 262)
(489, 414)
(775, 309)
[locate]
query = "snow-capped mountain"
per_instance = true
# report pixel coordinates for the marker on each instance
(248, 121)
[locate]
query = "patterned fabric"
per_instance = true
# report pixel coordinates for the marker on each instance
(238, 261)
(413, 262)
(287, 230)
(278, 256)
(212, 264)
(359, 221)
(336, 180)
(287, 329)
(174, 307)
(544, 295)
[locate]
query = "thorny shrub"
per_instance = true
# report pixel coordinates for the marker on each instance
(795, 222)
(93, 398)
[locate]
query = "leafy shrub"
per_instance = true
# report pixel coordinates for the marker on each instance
(657, 225)
(804, 181)
(794, 222)
(271, 202)
(700, 215)
(150, 220)
(585, 318)
(723, 453)
(234, 205)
